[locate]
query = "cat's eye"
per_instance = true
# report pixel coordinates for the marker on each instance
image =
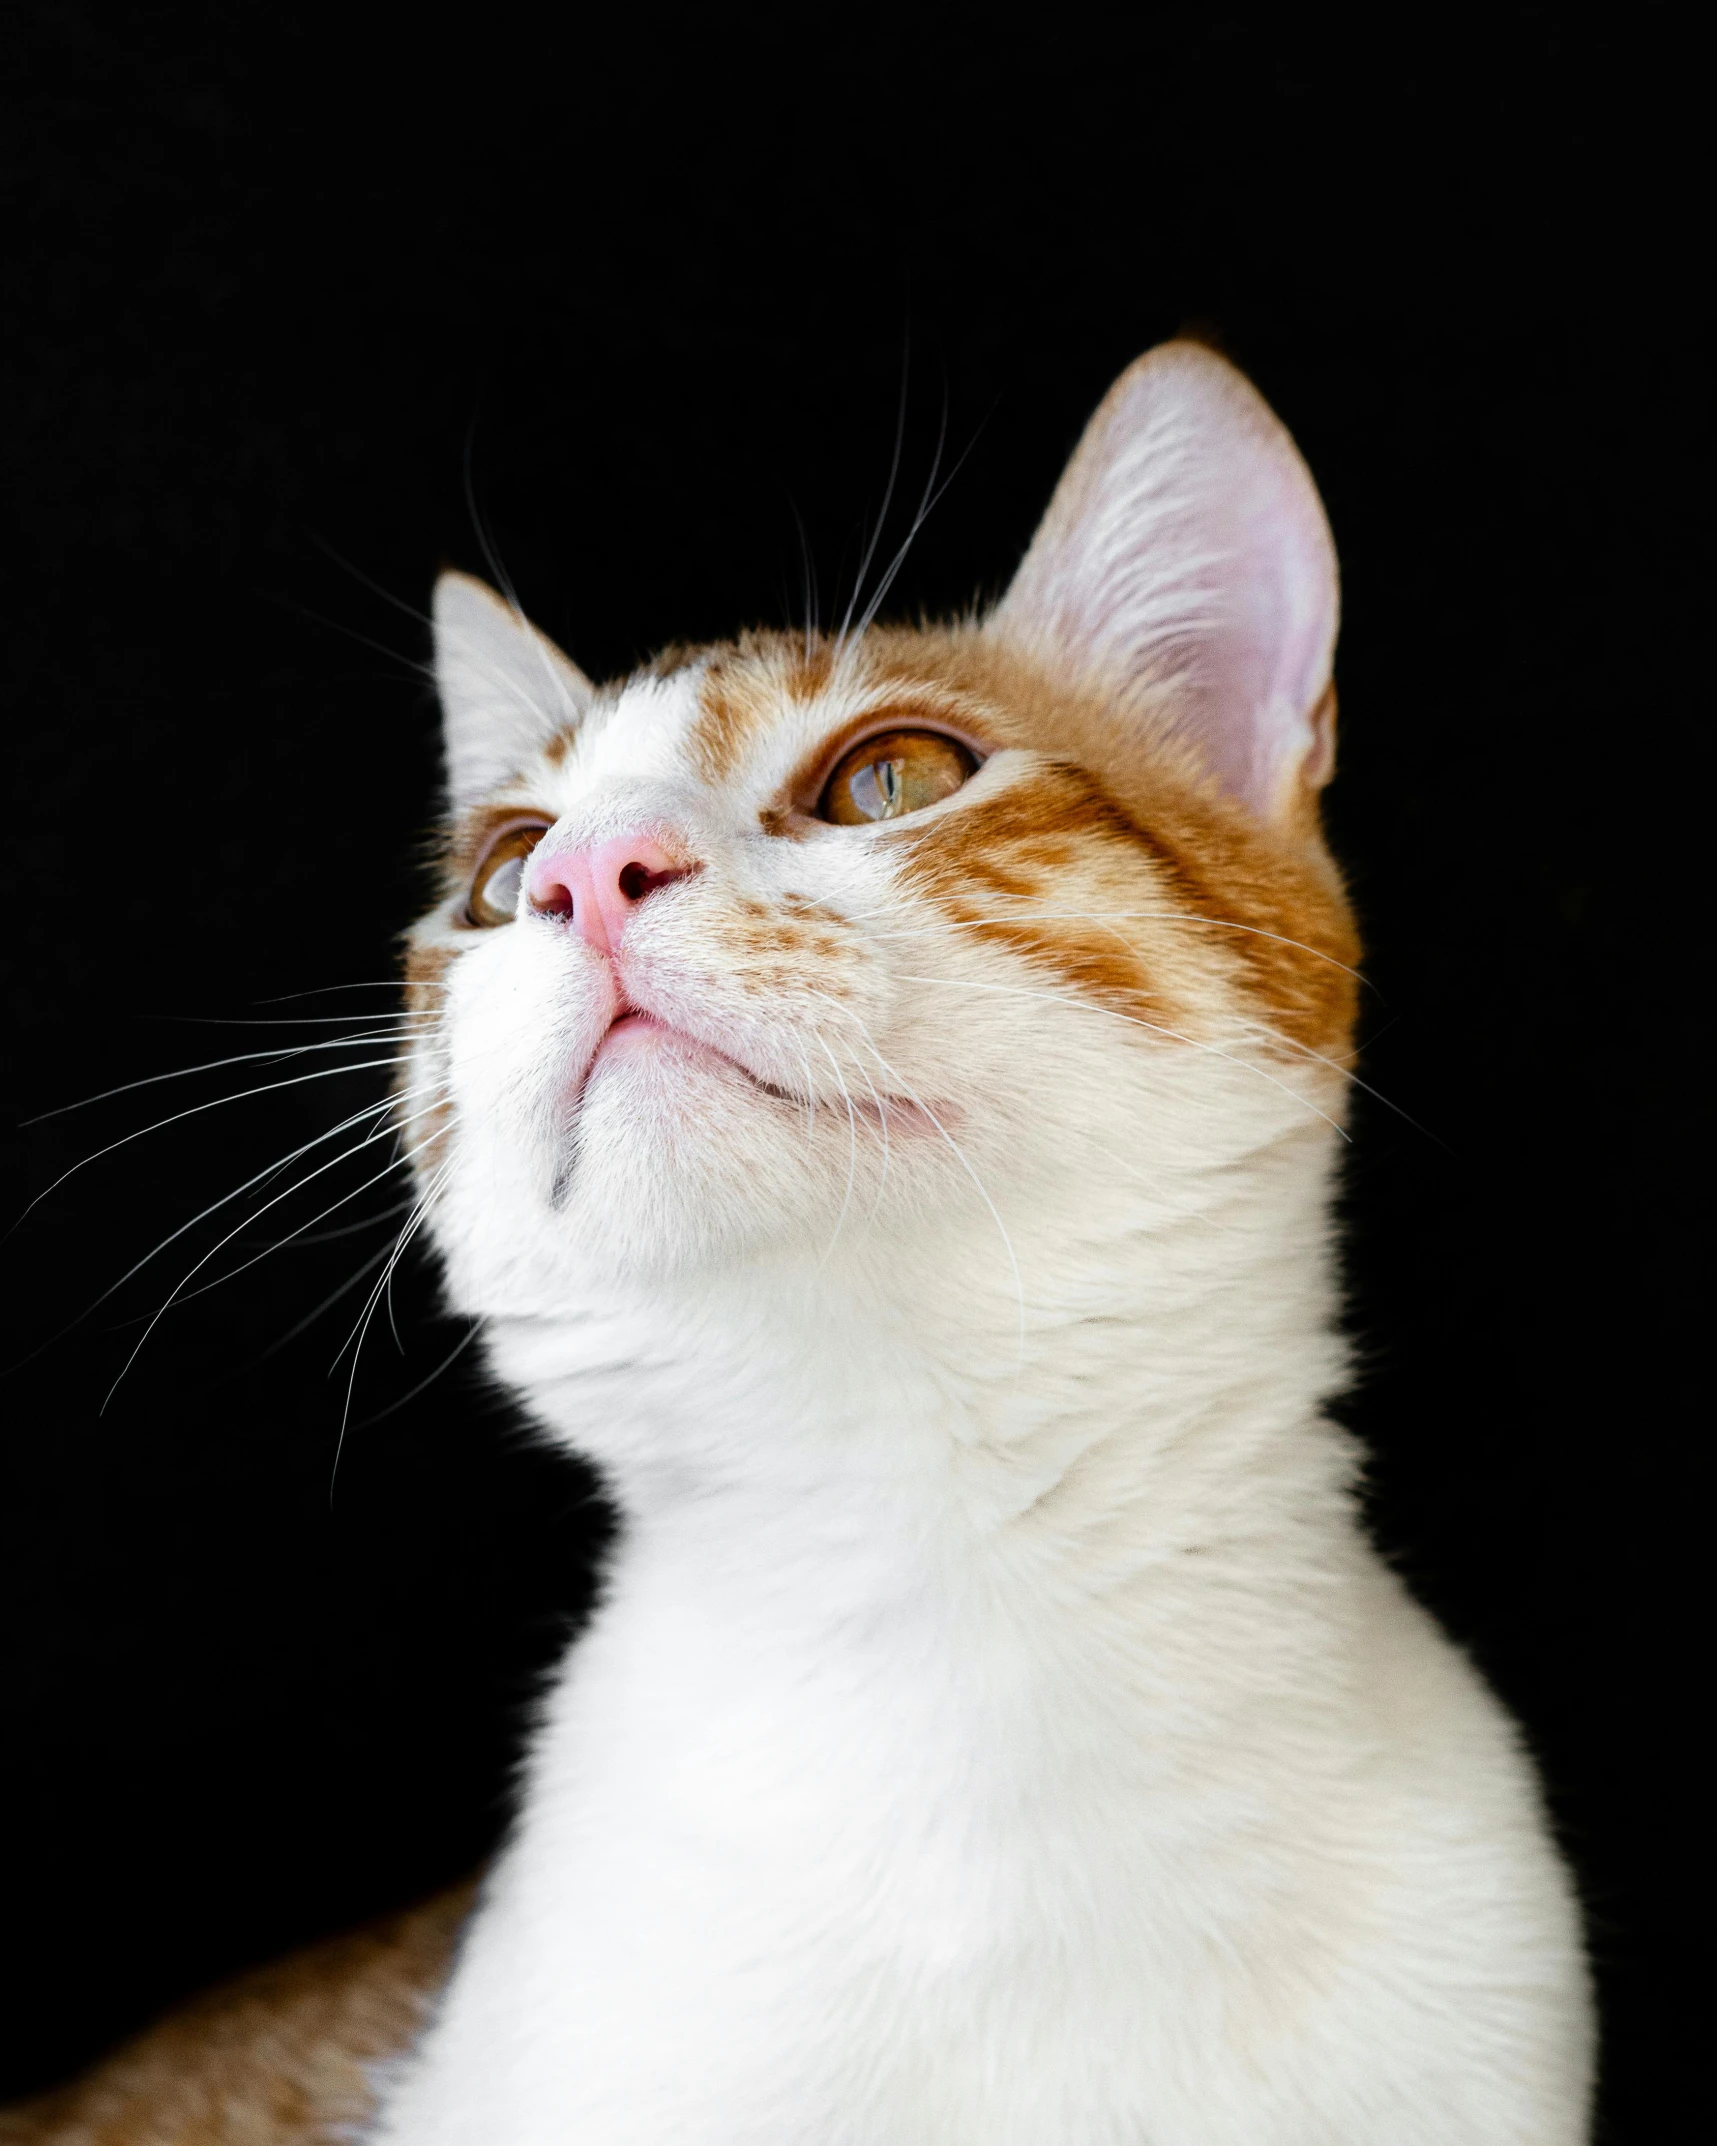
(889, 776)
(494, 897)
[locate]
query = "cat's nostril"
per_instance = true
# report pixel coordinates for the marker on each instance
(552, 900)
(597, 889)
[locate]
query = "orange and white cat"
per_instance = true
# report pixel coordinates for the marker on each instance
(881, 1095)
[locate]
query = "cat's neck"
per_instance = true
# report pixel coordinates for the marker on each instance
(1090, 1395)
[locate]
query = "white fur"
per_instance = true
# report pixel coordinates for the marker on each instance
(996, 1730)
(505, 687)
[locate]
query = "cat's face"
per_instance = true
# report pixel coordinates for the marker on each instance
(794, 946)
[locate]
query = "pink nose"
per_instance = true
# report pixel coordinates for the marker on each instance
(597, 889)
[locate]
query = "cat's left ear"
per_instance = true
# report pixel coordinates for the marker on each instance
(505, 688)
(1185, 569)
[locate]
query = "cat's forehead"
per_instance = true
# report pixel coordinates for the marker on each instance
(743, 718)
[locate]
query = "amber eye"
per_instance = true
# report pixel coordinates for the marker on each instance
(886, 777)
(495, 885)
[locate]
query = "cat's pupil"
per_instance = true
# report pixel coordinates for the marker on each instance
(501, 891)
(882, 781)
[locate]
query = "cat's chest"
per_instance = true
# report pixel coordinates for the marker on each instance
(912, 1789)
(728, 1892)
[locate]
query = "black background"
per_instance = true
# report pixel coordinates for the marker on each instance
(286, 301)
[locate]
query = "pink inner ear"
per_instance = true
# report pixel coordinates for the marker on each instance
(1185, 562)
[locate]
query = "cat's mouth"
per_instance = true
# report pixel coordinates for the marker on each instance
(635, 1032)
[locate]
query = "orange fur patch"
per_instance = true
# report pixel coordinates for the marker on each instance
(276, 2058)
(1265, 904)
(426, 964)
(1118, 818)
(742, 690)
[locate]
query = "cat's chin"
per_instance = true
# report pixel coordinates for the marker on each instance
(675, 1154)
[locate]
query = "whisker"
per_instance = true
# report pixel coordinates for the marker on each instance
(327, 1304)
(852, 1149)
(894, 1075)
(332, 1163)
(362, 1328)
(503, 582)
(418, 1213)
(927, 506)
(279, 1244)
(1055, 998)
(452, 1356)
(1346, 1073)
(196, 1110)
(368, 581)
(882, 1133)
(386, 983)
(387, 1294)
(887, 498)
(411, 664)
(355, 1229)
(810, 1094)
(1110, 917)
(810, 578)
(1107, 919)
(308, 1020)
(278, 1055)
(261, 1177)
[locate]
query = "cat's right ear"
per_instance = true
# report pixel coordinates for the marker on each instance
(505, 688)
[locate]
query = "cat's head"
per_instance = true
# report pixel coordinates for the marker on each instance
(820, 948)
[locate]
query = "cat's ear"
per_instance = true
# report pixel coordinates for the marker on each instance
(1186, 567)
(505, 688)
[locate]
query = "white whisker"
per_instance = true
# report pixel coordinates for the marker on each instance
(277, 1056)
(355, 1340)
(887, 501)
(279, 1244)
(1085, 1005)
(285, 1020)
(260, 1177)
(389, 983)
(1288, 1043)
(412, 1392)
(178, 1288)
(852, 1149)
(893, 1074)
(1108, 918)
(926, 507)
(196, 1110)
(328, 1302)
(882, 1133)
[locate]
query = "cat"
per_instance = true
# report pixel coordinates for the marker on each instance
(880, 1092)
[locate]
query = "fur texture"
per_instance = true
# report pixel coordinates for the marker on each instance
(996, 1728)
(288, 2056)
